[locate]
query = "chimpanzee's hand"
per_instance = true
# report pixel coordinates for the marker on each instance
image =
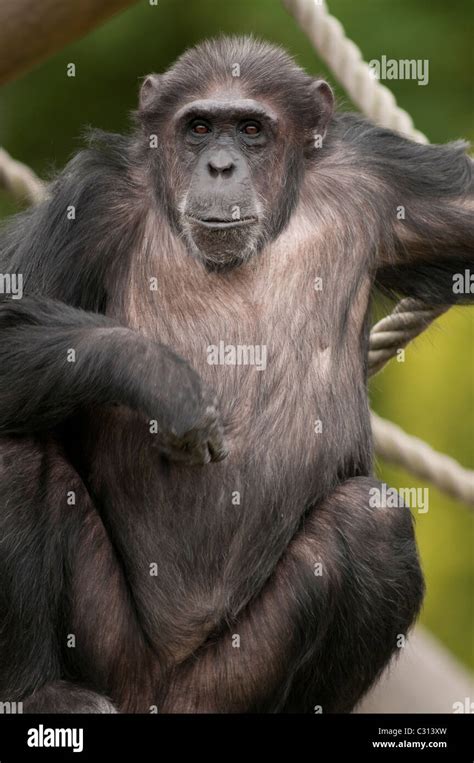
(201, 441)
(186, 410)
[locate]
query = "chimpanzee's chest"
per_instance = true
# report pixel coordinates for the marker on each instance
(279, 341)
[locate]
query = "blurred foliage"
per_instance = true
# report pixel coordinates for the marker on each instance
(43, 114)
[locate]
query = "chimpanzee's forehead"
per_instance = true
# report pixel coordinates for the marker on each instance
(222, 106)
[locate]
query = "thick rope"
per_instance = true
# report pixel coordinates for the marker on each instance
(393, 332)
(414, 455)
(19, 180)
(345, 61)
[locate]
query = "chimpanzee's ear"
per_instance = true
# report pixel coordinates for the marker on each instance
(149, 90)
(324, 102)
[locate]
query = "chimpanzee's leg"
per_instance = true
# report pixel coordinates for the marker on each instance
(45, 512)
(326, 623)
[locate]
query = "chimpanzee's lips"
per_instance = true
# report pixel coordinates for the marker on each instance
(215, 223)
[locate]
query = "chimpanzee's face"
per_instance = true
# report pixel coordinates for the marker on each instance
(230, 164)
(227, 177)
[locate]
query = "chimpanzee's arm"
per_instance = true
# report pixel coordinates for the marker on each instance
(425, 195)
(69, 246)
(56, 358)
(432, 204)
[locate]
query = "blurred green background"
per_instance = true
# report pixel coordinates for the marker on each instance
(431, 393)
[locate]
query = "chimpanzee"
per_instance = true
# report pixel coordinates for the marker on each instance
(186, 520)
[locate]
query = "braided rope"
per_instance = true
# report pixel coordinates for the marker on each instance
(394, 445)
(393, 332)
(345, 61)
(19, 180)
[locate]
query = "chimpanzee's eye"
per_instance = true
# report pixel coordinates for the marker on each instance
(252, 129)
(200, 128)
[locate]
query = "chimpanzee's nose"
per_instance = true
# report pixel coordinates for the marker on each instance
(221, 164)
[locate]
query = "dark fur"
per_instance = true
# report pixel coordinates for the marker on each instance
(223, 569)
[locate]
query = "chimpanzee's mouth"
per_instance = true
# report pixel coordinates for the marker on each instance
(221, 224)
